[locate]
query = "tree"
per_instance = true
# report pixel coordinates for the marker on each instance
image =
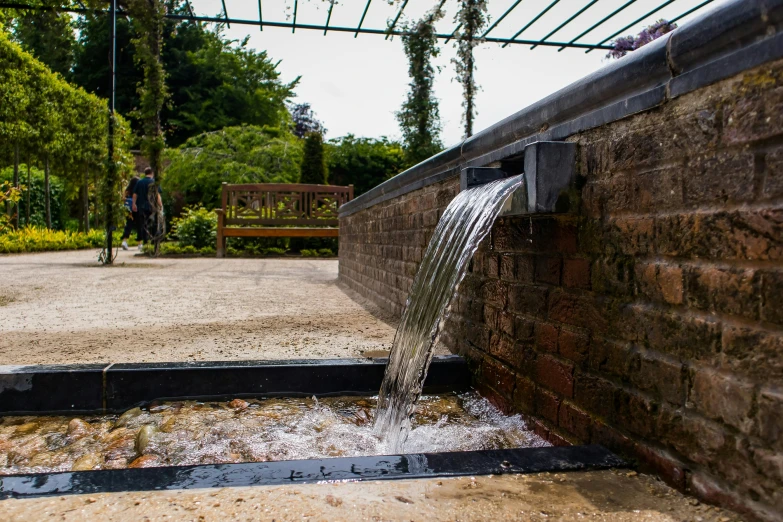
(246, 154)
(305, 120)
(419, 117)
(472, 18)
(364, 162)
(626, 44)
(47, 35)
(313, 165)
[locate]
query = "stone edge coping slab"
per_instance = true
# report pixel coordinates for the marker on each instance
(92, 388)
(387, 467)
(721, 43)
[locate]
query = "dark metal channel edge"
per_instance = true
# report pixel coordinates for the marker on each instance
(388, 467)
(117, 387)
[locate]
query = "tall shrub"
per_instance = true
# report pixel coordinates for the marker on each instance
(313, 164)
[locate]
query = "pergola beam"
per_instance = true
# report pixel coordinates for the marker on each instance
(225, 13)
(601, 22)
(260, 17)
(534, 20)
(571, 19)
(293, 26)
(495, 24)
(640, 19)
(396, 18)
(366, 7)
(689, 11)
(329, 16)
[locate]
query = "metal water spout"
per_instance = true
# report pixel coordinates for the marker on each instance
(550, 173)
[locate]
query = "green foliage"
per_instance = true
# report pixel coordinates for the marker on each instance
(472, 18)
(47, 35)
(321, 252)
(313, 163)
(364, 162)
(58, 197)
(212, 82)
(246, 154)
(197, 227)
(176, 249)
(419, 117)
(233, 85)
(8, 195)
(38, 239)
(148, 20)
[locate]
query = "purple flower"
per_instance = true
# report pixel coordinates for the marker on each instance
(626, 44)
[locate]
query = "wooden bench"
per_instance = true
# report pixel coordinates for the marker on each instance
(279, 210)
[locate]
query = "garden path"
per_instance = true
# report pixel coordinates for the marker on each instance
(62, 307)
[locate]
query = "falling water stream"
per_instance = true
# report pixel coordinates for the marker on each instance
(464, 224)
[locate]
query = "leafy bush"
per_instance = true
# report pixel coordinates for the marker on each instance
(197, 228)
(322, 252)
(246, 154)
(38, 239)
(57, 194)
(364, 162)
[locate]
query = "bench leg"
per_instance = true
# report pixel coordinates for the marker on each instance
(221, 244)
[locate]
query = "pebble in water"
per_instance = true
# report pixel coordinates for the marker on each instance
(264, 430)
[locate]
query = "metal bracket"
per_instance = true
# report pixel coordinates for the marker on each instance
(549, 169)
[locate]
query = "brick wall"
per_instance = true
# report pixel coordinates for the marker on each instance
(652, 320)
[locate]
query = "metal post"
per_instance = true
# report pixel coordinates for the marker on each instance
(112, 165)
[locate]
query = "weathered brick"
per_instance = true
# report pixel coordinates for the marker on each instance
(500, 377)
(546, 337)
(769, 417)
(505, 323)
(555, 375)
(672, 333)
(528, 299)
(733, 291)
(502, 347)
(508, 267)
(718, 177)
(575, 421)
(735, 234)
(772, 296)
(753, 352)
(689, 434)
(548, 269)
(655, 190)
(613, 276)
(494, 292)
(773, 178)
(660, 376)
(754, 114)
(635, 412)
(547, 404)
(524, 395)
(663, 464)
(576, 273)
(525, 269)
(577, 310)
(574, 345)
(660, 282)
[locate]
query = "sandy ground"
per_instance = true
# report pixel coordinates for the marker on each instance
(600, 495)
(63, 307)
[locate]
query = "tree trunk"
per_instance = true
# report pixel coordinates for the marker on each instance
(86, 199)
(47, 195)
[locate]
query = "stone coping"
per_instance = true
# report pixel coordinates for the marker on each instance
(721, 43)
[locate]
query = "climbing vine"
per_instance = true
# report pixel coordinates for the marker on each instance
(419, 117)
(472, 18)
(148, 19)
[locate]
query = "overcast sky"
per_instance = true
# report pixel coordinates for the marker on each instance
(356, 84)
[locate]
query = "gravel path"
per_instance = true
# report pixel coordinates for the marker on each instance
(62, 307)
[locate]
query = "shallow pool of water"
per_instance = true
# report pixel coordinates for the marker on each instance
(190, 432)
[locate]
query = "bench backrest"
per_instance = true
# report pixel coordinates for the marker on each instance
(283, 204)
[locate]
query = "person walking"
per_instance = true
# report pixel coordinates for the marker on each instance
(146, 202)
(132, 219)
